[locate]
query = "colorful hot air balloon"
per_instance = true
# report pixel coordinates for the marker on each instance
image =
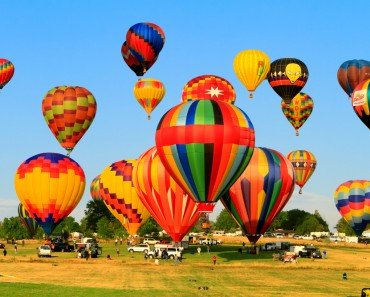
(205, 145)
(94, 188)
(6, 72)
(208, 87)
(298, 110)
(287, 77)
(304, 163)
(145, 41)
(133, 62)
(166, 201)
(27, 221)
(361, 102)
(251, 67)
(352, 199)
(261, 192)
(69, 112)
(119, 194)
(149, 92)
(49, 185)
(351, 73)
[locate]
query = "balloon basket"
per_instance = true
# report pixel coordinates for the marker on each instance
(296, 133)
(148, 117)
(251, 95)
(300, 191)
(206, 207)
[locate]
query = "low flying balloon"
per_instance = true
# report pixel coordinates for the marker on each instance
(251, 67)
(205, 145)
(27, 221)
(298, 110)
(94, 189)
(69, 112)
(6, 72)
(49, 185)
(351, 73)
(287, 77)
(145, 41)
(166, 201)
(208, 87)
(149, 92)
(361, 102)
(119, 194)
(304, 163)
(261, 192)
(133, 62)
(352, 199)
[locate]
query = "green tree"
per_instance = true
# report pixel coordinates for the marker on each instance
(67, 226)
(105, 228)
(149, 227)
(95, 210)
(225, 222)
(13, 228)
(310, 224)
(279, 221)
(343, 227)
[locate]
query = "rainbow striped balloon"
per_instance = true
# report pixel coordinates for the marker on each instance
(352, 199)
(261, 192)
(6, 72)
(30, 224)
(361, 102)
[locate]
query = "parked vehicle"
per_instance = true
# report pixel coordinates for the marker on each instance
(310, 251)
(296, 249)
(363, 239)
(2, 246)
(61, 247)
(269, 246)
(279, 235)
(209, 241)
(150, 241)
(44, 251)
(307, 237)
(143, 248)
(165, 253)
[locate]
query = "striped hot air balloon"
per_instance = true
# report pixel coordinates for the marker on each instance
(6, 72)
(352, 199)
(304, 163)
(94, 188)
(49, 185)
(132, 62)
(27, 221)
(261, 192)
(208, 87)
(166, 201)
(69, 112)
(361, 102)
(205, 145)
(298, 110)
(119, 194)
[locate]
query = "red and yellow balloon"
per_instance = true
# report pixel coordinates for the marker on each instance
(361, 102)
(6, 72)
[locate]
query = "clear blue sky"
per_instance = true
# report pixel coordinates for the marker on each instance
(78, 43)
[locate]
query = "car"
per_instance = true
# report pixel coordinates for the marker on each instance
(150, 241)
(310, 251)
(363, 239)
(2, 246)
(165, 253)
(144, 248)
(44, 251)
(61, 247)
(269, 246)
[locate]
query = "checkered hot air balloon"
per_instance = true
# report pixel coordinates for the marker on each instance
(27, 221)
(94, 188)
(261, 192)
(352, 199)
(119, 194)
(205, 145)
(149, 92)
(6, 72)
(166, 201)
(361, 102)
(208, 87)
(298, 110)
(49, 185)
(69, 112)
(304, 164)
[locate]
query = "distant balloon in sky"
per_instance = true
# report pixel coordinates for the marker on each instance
(287, 77)
(69, 112)
(361, 102)
(208, 87)
(304, 163)
(298, 110)
(49, 185)
(149, 92)
(132, 62)
(351, 73)
(6, 72)
(352, 199)
(94, 189)
(251, 67)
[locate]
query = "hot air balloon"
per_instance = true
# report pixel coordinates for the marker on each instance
(251, 67)
(361, 102)
(205, 145)
(49, 185)
(6, 72)
(94, 189)
(145, 41)
(287, 77)
(261, 192)
(27, 221)
(69, 112)
(352, 199)
(208, 87)
(298, 110)
(166, 201)
(133, 62)
(119, 194)
(304, 163)
(351, 73)
(149, 92)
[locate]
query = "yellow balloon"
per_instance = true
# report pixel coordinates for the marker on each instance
(251, 67)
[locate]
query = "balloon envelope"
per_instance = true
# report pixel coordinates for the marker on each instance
(27, 221)
(351, 73)
(352, 199)
(94, 188)
(132, 62)
(361, 102)
(49, 185)
(6, 72)
(261, 192)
